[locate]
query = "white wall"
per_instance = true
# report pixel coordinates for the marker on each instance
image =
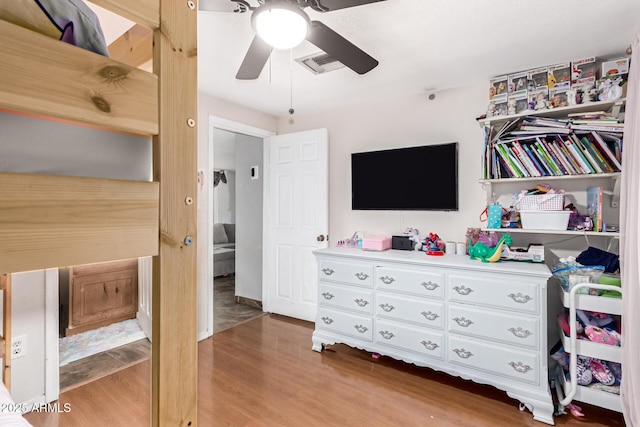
(28, 317)
(42, 146)
(224, 199)
(249, 151)
(211, 106)
(404, 122)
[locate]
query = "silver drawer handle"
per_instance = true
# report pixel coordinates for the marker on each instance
(387, 307)
(429, 345)
(387, 280)
(430, 285)
(361, 276)
(519, 332)
(429, 315)
(387, 335)
(520, 367)
(461, 352)
(361, 328)
(327, 295)
(462, 290)
(327, 320)
(361, 302)
(519, 298)
(463, 322)
(328, 271)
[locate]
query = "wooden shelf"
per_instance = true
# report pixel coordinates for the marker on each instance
(557, 112)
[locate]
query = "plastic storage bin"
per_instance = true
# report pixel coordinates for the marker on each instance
(545, 220)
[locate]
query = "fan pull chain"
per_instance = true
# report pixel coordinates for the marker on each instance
(291, 110)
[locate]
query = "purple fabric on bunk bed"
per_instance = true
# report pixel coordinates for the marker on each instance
(71, 21)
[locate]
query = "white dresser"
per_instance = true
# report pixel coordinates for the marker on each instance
(486, 322)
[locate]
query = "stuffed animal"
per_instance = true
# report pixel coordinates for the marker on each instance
(414, 236)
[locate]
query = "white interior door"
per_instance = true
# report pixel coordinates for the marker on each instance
(296, 221)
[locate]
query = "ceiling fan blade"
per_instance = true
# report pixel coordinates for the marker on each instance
(329, 5)
(340, 48)
(254, 60)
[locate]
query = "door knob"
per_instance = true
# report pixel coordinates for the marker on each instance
(320, 238)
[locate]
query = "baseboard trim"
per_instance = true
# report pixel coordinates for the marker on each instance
(248, 301)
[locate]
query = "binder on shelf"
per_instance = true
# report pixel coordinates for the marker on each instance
(595, 152)
(586, 154)
(524, 159)
(576, 154)
(544, 168)
(606, 150)
(547, 158)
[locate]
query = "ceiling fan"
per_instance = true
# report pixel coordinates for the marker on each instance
(269, 11)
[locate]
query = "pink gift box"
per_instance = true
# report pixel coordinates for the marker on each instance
(376, 243)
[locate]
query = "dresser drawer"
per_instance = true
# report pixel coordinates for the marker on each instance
(483, 323)
(344, 323)
(496, 359)
(417, 281)
(355, 273)
(421, 341)
(350, 298)
(507, 292)
(415, 310)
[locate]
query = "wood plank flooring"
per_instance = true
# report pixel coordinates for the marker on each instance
(264, 373)
(227, 313)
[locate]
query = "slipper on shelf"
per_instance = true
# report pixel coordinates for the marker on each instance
(583, 371)
(616, 368)
(601, 372)
(601, 335)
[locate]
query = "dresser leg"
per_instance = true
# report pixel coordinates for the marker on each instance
(319, 342)
(542, 409)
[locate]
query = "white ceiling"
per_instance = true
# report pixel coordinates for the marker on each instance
(423, 47)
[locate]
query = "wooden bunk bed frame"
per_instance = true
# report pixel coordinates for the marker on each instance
(54, 221)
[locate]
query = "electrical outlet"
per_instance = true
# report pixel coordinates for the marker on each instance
(19, 346)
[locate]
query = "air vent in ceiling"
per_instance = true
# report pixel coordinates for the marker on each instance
(319, 63)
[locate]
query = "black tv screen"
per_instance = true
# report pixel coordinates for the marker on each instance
(415, 178)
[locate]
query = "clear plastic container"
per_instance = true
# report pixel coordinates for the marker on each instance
(570, 275)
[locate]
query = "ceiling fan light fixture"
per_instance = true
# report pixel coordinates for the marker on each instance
(280, 25)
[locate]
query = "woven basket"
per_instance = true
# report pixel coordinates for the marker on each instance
(541, 202)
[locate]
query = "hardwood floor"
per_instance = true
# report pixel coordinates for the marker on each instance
(227, 313)
(264, 373)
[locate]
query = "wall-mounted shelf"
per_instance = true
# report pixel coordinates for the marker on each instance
(613, 176)
(565, 232)
(614, 191)
(562, 112)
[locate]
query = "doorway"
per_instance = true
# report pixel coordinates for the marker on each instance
(235, 223)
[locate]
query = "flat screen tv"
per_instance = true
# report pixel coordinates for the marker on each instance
(421, 178)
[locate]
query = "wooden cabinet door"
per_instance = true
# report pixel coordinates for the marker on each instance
(107, 296)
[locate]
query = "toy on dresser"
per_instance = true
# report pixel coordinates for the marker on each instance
(414, 235)
(433, 245)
